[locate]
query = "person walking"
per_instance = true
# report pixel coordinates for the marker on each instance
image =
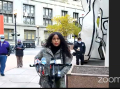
(19, 53)
(56, 47)
(5, 51)
(79, 48)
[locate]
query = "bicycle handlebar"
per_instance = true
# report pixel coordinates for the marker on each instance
(34, 65)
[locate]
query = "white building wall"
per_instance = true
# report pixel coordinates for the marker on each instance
(39, 4)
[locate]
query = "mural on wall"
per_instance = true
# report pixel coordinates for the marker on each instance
(94, 35)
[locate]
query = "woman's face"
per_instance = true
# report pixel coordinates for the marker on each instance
(56, 40)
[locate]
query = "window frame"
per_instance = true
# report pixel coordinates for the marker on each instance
(7, 12)
(8, 18)
(30, 17)
(64, 11)
(31, 33)
(74, 15)
(45, 8)
(49, 20)
(9, 34)
(49, 16)
(1, 5)
(11, 7)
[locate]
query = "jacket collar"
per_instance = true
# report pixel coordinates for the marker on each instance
(50, 52)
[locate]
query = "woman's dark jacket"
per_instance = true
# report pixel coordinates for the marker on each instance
(19, 52)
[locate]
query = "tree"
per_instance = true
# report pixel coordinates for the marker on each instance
(76, 30)
(64, 25)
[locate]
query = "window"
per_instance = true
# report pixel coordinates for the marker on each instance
(7, 33)
(9, 18)
(64, 12)
(32, 21)
(7, 8)
(43, 21)
(50, 12)
(33, 36)
(47, 22)
(5, 18)
(47, 12)
(28, 20)
(27, 9)
(75, 15)
(29, 34)
(4, 5)
(44, 11)
(0, 4)
(24, 19)
(30, 10)
(47, 16)
(24, 8)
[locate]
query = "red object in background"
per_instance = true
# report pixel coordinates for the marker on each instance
(43, 72)
(50, 66)
(1, 25)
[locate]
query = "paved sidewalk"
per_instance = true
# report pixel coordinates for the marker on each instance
(25, 77)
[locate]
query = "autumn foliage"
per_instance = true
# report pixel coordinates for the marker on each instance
(64, 25)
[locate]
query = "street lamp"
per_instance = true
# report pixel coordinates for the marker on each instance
(38, 34)
(15, 15)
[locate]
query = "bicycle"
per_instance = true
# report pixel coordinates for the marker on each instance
(39, 65)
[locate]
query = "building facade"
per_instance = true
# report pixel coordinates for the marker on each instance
(33, 16)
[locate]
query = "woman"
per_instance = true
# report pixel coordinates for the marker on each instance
(56, 47)
(19, 53)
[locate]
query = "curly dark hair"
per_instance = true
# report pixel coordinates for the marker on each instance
(63, 43)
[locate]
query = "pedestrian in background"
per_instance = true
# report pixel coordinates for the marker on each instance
(79, 48)
(5, 51)
(19, 53)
